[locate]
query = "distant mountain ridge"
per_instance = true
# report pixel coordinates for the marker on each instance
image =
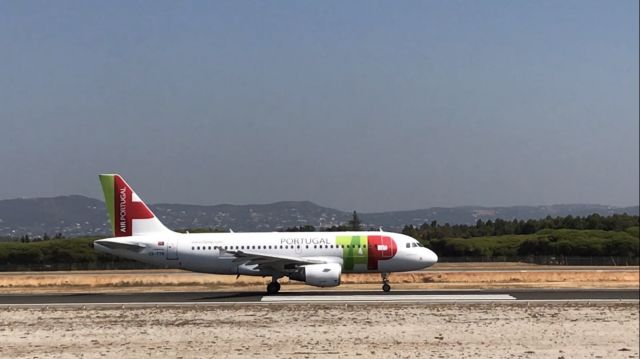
(79, 215)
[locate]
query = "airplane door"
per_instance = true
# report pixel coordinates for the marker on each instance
(380, 248)
(385, 246)
(172, 249)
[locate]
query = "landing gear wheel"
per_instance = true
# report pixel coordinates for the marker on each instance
(385, 282)
(273, 288)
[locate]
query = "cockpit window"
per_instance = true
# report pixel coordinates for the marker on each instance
(420, 244)
(414, 244)
(408, 245)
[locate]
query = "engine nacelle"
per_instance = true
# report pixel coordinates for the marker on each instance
(319, 275)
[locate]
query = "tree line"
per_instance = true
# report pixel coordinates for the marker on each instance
(558, 237)
(500, 227)
(558, 243)
(60, 253)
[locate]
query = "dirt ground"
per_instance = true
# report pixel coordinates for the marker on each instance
(445, 276)
(324, 331)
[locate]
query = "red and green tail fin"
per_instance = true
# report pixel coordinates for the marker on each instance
(129, 215)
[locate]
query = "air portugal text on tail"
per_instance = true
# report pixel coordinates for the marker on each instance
(128, 214)
(316, 258)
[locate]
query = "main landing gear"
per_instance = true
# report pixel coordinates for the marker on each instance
(385, 282)
(273, 287)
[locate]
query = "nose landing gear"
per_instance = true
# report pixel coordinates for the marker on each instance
(385, 282)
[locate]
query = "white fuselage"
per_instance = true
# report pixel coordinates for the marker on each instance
(355, 252)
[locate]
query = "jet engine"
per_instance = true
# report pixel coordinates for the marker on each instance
(319, 275)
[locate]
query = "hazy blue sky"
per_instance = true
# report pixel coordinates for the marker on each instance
(360, 105)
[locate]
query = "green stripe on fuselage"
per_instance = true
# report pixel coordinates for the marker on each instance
(354, 251)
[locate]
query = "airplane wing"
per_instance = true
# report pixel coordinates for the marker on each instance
(272, 261)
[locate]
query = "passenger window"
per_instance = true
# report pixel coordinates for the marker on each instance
(307, 246)
(315, 246)
(192, 248)
(209, 247)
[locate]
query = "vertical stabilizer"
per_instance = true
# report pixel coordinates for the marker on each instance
(129, 215)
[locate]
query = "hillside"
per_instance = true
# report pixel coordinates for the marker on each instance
(78, 215)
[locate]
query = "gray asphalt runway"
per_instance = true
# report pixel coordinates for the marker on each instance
(328, 296)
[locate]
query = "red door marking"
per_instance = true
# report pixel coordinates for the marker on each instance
(379, 248)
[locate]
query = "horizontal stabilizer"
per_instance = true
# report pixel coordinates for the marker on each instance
(134, 247)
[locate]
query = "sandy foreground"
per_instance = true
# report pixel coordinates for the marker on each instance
(324, 331)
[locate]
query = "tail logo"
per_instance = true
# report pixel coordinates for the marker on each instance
(129, 207)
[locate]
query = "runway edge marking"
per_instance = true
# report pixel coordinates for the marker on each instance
(386, 298)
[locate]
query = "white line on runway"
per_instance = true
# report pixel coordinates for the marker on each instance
(387, 298)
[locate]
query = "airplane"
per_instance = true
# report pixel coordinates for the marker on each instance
(315, 258)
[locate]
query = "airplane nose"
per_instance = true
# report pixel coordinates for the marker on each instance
(430, 258)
